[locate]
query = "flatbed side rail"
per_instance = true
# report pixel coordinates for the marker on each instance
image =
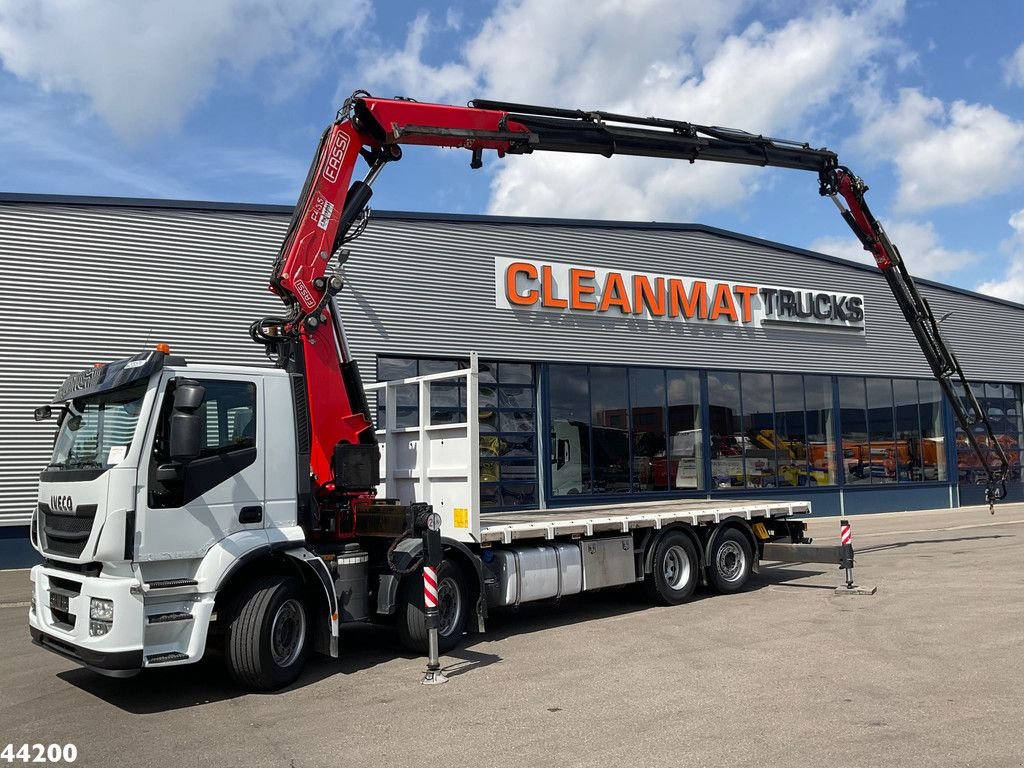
(438, 463)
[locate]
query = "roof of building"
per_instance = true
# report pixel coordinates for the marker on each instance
(286, 210)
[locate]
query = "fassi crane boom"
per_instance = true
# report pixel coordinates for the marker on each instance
(309, 341)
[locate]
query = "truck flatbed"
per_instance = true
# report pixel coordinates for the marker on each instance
(506, 527)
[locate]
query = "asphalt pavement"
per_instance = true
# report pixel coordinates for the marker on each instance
(926, 672)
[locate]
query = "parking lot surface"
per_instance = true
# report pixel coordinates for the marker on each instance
(926, 672)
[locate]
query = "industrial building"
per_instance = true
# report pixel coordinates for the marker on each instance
(619, 360)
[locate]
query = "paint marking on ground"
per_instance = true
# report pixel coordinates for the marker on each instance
(15, 605)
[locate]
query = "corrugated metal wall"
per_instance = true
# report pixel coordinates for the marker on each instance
(423, 287)
(91, 283)
(95, 282)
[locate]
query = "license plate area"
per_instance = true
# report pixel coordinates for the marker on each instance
(60, 602)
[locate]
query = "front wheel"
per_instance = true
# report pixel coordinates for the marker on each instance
(452, 605)
(267, 639)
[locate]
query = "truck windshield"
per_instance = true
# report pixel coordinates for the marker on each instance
(96, 432)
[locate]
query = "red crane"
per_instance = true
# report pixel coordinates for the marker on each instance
(308, 340)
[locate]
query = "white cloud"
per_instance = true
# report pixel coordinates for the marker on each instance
(141, 65)
(942, 156)
(673, 58)
(1011, 286)
(918, 244)
(1013, 68)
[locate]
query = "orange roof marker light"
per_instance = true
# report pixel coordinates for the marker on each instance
(165, 348)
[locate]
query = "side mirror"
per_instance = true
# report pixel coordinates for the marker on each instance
(185, 431)
(188, 395)
(43, 412)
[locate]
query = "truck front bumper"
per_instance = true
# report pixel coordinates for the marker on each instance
(60, 622)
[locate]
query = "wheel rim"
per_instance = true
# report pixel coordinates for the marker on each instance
(288, 633)
(675, 567)
(730, 561)
(449, 606)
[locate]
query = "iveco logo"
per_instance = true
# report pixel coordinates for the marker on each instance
(62, 504)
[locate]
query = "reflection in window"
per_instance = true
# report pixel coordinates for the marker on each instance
(624, 430)
(821, 444)
(892, 430)
(933, 442)
(759, 438)
(685, 448)
(1001, 405)
(609, 433)
(647, 414)
(726, 429)
(570, 430)
(790, 432)
(853, 406)
(881, 463)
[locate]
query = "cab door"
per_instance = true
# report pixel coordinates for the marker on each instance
(187, 506)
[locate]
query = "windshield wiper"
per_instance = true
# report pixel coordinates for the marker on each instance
(82, 463)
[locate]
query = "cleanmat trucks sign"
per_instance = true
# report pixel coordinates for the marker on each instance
(541, 286)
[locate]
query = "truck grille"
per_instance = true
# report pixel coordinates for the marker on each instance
(65, 534)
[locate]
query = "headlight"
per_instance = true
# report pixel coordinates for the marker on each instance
(99, 628)
(100, 609)
(32, 604)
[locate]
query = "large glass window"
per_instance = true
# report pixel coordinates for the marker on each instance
(771, 430)
(821, 445)
(508, 436)
(790, 436)
(609, 429)
(624, 430)
(726, 428)
(1001, 405)
(647, 415)
(892, 430)
(759, 437)
(570, 429)
(933, 440)
(881, 464)
(447, 398)
(683, 467)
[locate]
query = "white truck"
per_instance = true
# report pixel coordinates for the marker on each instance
(149, 558)
(260, 508)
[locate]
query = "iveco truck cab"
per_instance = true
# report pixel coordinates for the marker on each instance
(164, 481)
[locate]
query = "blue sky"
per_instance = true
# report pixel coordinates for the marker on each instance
(225, 99)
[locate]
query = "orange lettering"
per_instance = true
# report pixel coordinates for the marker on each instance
(550, 300)
(723, 304)
(512, 273)
(646, 296)
(614, 294)
(578, 290)
(745, 292)
(680, 303)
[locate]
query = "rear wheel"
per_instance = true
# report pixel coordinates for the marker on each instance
(730, 561)
(452, 606)
(267, 639)
(673, 575)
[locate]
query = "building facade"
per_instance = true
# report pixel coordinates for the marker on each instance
(618, 360)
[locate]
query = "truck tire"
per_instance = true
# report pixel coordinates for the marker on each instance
(452, 604)
(267, 638)
(730, 561)
(674, 569)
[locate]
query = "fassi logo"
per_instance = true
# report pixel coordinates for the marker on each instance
(336, 157)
